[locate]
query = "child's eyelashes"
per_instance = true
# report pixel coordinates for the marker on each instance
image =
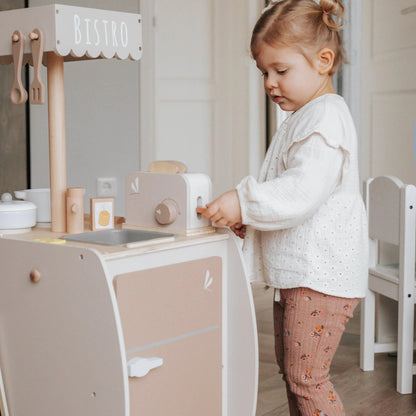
(278, 72)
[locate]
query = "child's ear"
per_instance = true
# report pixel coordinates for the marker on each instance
(325, 60)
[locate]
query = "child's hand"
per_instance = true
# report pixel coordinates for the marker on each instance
(225, 210)
(239, 229)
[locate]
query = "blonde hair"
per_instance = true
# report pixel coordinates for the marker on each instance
(303, 24)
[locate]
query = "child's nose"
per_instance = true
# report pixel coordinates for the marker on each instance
(272, 82)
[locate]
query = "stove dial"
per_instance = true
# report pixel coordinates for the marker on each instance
(166, 212)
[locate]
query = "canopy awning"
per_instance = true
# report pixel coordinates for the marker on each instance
(74, 33)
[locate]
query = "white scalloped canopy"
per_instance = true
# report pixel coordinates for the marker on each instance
(74, 32)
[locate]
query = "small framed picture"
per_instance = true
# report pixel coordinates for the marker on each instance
(102, 213)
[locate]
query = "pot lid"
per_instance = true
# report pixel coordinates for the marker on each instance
(8, 205)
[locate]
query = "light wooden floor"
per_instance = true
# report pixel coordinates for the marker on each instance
(363, 393)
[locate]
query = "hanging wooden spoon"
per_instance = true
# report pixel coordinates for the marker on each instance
(18, 93)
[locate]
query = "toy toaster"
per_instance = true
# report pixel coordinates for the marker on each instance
(166, 197)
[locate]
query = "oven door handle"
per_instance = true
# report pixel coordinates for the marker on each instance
(139, 366)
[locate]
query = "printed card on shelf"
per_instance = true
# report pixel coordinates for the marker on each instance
(102, 213)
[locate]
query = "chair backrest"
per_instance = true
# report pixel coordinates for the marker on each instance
(383, 202)
(391, 208)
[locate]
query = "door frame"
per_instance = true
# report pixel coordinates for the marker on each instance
(351, 72)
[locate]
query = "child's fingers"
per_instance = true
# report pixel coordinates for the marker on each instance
(206, 212)
(220, 223)
(218, 219)
(239, 229)
(238, 225)
(200, 210)
(212, 212)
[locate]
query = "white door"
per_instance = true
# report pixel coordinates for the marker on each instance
(388, 106)
(195, 87)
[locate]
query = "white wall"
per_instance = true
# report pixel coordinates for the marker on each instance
(202, 95)
(102, 118)
(388, 89)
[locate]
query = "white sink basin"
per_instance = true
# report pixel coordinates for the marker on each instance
(117, 237)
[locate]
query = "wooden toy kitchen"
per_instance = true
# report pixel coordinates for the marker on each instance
(152, 317)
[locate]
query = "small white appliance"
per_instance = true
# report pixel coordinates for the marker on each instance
(168, 201)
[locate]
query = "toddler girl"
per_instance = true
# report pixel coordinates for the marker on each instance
(303, 220)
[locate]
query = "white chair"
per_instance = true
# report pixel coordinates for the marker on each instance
(391, 208)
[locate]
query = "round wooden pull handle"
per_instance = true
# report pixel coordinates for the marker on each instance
(34, 276)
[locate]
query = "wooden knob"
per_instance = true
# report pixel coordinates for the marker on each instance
(34, 276)
(15, 37)
(166, 212)
(33, 36)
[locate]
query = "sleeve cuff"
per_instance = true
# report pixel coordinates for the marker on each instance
(242, 196)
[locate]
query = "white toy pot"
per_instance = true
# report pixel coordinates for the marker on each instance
(16, 216)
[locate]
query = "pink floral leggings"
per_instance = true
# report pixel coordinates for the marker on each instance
(308, 328)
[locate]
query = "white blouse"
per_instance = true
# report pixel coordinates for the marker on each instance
(306, 221)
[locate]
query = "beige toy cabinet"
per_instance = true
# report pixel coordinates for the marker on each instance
(74, 319)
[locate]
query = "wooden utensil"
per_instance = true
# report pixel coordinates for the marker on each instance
(37, 88)
(18, 93)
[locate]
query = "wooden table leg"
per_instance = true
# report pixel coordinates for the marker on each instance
(57, 146)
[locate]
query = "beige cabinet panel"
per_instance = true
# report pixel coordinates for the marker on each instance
(187, 384)
(174, 312)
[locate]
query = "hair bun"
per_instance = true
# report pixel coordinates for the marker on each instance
(332, 8)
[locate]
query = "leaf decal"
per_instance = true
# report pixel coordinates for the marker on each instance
(208, 281)
(135, 185)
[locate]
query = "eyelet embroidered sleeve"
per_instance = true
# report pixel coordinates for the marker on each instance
(312, 173)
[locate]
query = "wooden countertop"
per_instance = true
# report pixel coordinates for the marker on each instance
(111, 251)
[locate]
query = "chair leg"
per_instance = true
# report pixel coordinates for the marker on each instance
(405, 345)
(367, 331)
